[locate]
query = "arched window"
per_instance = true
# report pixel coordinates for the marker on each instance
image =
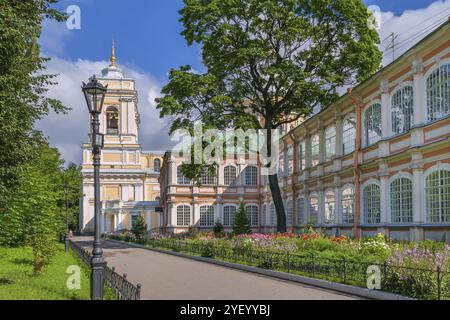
(183, 216)
(330, 142)
(315, 149)
(372, 124)
(206, 216)
(372, 209)
(402, 108)
(330, 215)
(438, 196)
(301, 156)
(252, 214)
(229, 175)
(290, 161)
(313, 209)
(229, 213)
(251, 176)
(181, 179)
(273, 215)
(401, 200)
(438, 93)
(207, 178)
(349, 134)
(300, 211)
(112, 120)
(348, 205)
(289, 213)
(281, 164)
(264, 215)
(156, 165)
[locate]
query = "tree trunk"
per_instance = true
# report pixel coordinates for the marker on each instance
(278, 201)
(275, 189)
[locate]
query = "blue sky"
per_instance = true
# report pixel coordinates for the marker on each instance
(147, 32)
(149, 44)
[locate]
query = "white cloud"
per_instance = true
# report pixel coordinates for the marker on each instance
(411, 26)
(68, 132)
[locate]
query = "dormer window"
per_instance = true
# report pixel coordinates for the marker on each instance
(112, 120)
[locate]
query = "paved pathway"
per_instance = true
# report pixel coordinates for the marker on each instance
(168, 277)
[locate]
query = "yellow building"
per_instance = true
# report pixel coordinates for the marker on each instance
(128, 175)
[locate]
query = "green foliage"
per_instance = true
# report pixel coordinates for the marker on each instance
(268, 63)
(32, 206)
(218, 228)
(241, 223)
(207, 249)
(23, 87)
(19, 282)
(139, 229)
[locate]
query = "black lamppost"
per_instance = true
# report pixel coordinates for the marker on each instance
(94, 92)
(66, 238)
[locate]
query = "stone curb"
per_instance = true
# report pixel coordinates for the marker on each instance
(324, 284)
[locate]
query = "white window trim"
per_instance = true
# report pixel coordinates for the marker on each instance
(341, 190)
(401, 174)
(200, 211)
(190, 214)
(327, 129)
(257, 210)
(362, 187)
(433, 68)
(223, 212)
(316, 195)
(350, 115)
(394, 90)
(363, 120)
(297, 223)
(439, 166)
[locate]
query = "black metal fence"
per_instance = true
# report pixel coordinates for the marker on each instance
(124, 289)
(413, 282)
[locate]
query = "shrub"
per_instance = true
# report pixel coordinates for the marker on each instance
(218, 229)
(43, 251)
(241, 223)
(207, 249)
(139, 229)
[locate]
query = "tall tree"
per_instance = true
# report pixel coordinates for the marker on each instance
(23, 87)
(268, 62)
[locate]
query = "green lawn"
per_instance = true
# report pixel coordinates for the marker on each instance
(17, 281)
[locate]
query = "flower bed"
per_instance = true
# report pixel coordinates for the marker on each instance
(420, 270)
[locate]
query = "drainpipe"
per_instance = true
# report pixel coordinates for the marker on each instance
(359, 106)
(294, 181)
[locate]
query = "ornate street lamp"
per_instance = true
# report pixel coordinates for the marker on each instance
(66, 238)
(95, 92)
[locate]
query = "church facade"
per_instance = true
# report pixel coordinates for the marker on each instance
(128, 174)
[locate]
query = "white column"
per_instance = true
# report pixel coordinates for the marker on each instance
(307, 151)
(195, 213)
(420, 115)
(337, 200)
(172, 215)
(384, 197)
(339, 139)
(385, 106)
(419, 215)
(172, 172)
(218, 211)
(321, 134)
(321, 213)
